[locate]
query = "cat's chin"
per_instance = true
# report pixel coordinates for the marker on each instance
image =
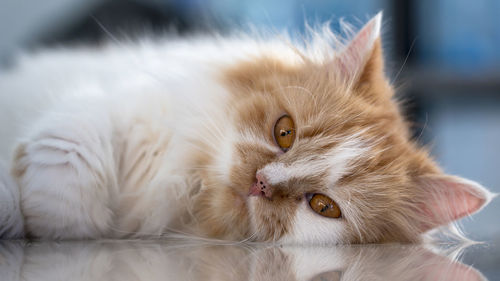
(222, 213)
(271, 219)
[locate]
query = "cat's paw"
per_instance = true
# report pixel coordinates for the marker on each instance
(67, 182)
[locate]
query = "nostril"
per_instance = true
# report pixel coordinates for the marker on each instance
(261, 179)
(261, 186)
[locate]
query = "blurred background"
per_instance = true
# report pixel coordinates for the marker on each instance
(442, 55)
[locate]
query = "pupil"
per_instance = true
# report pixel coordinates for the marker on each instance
(283, 133)
(325, 207)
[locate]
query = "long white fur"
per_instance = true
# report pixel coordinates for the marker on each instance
(310, 228)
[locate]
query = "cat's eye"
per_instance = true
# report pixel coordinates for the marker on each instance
(284, 132)
(324, 205)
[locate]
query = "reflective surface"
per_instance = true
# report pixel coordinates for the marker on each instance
(179, 260)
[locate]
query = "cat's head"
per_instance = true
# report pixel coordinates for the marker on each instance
(318, 152)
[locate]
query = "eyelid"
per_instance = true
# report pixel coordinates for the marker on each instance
(308, 196)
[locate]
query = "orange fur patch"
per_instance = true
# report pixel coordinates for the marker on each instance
(325, 110)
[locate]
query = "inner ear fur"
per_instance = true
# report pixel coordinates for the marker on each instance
(446, 198)
(372, 81)
(361, 63)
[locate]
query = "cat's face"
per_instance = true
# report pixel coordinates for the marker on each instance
(319, 153)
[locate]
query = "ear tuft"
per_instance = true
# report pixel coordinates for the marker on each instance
(446, 198)
(352, 60)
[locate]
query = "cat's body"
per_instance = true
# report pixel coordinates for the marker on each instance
(135, 124)
(136, 140)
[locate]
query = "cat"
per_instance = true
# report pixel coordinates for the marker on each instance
(243, 137)
(182, 260)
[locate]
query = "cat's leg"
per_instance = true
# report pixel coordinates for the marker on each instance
(66, 174)
(11, 220)
(151, 186)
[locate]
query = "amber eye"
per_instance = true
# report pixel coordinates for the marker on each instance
(324, 206)
(284, 132)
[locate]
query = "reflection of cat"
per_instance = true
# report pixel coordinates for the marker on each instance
(231, 138)
(162, 261)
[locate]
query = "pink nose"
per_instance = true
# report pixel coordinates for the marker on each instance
(260, 187)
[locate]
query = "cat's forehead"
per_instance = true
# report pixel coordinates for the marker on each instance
(313, 94)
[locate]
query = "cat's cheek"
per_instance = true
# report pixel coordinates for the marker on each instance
(311, 228)
(224, 160)
(270, 220)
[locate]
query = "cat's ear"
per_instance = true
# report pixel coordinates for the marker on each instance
(445, 198)
(362, 60)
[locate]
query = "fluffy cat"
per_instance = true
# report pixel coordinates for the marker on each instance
(235, 138)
